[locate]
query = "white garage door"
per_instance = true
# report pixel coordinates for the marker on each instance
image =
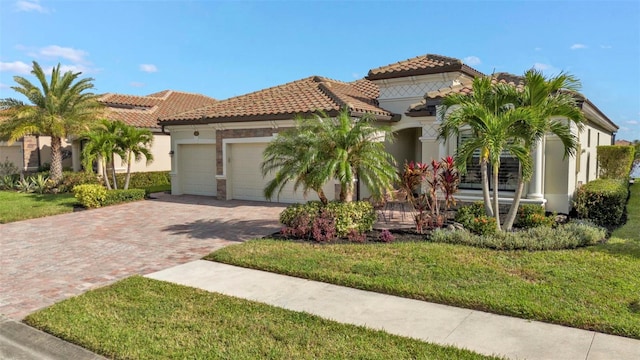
(247, 182)
(197, 169)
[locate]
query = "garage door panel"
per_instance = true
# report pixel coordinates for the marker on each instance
(198, 169)
(248, 183)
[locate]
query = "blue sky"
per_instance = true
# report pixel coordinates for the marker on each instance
(223, 49)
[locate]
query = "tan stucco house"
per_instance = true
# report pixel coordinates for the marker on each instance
(141, 111)
(217, 149)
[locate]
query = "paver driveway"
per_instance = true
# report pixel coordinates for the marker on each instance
(43, 261)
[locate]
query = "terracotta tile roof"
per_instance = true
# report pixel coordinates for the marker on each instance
(144, 111)
(304, 96)
(422, 65)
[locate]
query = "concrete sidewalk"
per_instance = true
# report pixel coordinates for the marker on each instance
(475, 330)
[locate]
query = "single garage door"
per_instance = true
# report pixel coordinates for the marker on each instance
(197, 169)
(248, 183)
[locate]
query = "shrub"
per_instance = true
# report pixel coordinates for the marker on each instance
(8, 168)
(602, 201)
(9, 182)
(24, 185)
(568, 236)
(299, 218)
(530, 215)
(356, 236)
(72, 179)
(358, 215)
(474, 219)
(121, 196)
(142, 180)
(615, 161)
(386, 236)
(41, 184)
(324, 227)
(90, 195)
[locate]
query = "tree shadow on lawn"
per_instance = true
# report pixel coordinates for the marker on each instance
(619, 247)
(232, 230)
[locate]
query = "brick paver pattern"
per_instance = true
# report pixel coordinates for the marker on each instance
(46, 260)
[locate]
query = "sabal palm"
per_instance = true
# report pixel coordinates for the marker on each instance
(136, 144)
(549, 102)
(59, 107)
(322, 148)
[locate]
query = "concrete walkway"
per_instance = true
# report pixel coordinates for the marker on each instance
(475, 330)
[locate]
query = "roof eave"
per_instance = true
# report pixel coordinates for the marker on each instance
(425, 71)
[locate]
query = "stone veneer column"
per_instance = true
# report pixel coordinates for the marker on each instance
(535, 186)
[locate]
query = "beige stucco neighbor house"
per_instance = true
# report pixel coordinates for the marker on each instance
(140, 111)
(217, 150)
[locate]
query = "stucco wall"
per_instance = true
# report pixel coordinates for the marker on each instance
(161, 158)
(11, 153)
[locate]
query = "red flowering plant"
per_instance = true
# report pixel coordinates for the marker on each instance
(440, 179)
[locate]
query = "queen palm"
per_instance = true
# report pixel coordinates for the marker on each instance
(60, 107)
(322, 148)
(551, 107)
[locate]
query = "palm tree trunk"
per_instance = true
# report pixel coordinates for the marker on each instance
(113, 171)
(496, 205)
(56, 159)
(105, 175)
(322, 196)
(511, 216)
(485, 187)
(126, 182)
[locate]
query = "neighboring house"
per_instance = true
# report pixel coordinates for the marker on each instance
(218, 149)
(141, 111)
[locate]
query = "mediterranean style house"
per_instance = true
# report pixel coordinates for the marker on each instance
(32, 152)
(217, 149)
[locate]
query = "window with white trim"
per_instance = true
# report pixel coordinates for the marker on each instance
(507, 175)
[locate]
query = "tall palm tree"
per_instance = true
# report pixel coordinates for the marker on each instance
(322, 148)
(549, 102)
(136, 144)
(59, 107)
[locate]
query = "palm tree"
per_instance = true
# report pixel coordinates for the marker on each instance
(99, 146)
(135, 143)
(478, 111)
(550, 102)
(322, 148)
(60, 107)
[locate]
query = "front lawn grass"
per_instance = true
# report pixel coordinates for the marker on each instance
(16, 206)
(594, 288)
(140, 318)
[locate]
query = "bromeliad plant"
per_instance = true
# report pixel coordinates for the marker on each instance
(441, 180)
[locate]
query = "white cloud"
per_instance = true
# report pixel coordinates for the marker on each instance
(633, 122)
(68, 53)
(75, 68)
(538, 49)
(30, 5)
(355, 75)
(136, 84)
(541, 66)
(606, 46)
(578, 46)
(4, 86)
(472, 60)
(16, 67)
(150, 68)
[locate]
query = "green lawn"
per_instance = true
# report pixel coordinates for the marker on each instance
(18, 206)
(593, 288)
(631, 230)
(140, 318)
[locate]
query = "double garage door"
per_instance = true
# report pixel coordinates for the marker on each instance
(246, 181)
(244, 178)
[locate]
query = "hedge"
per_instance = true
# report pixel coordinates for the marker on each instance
(95, 196)
(142, 180)
(602, 201)
(615, 161)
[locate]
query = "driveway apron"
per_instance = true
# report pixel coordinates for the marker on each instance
(43, 261)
